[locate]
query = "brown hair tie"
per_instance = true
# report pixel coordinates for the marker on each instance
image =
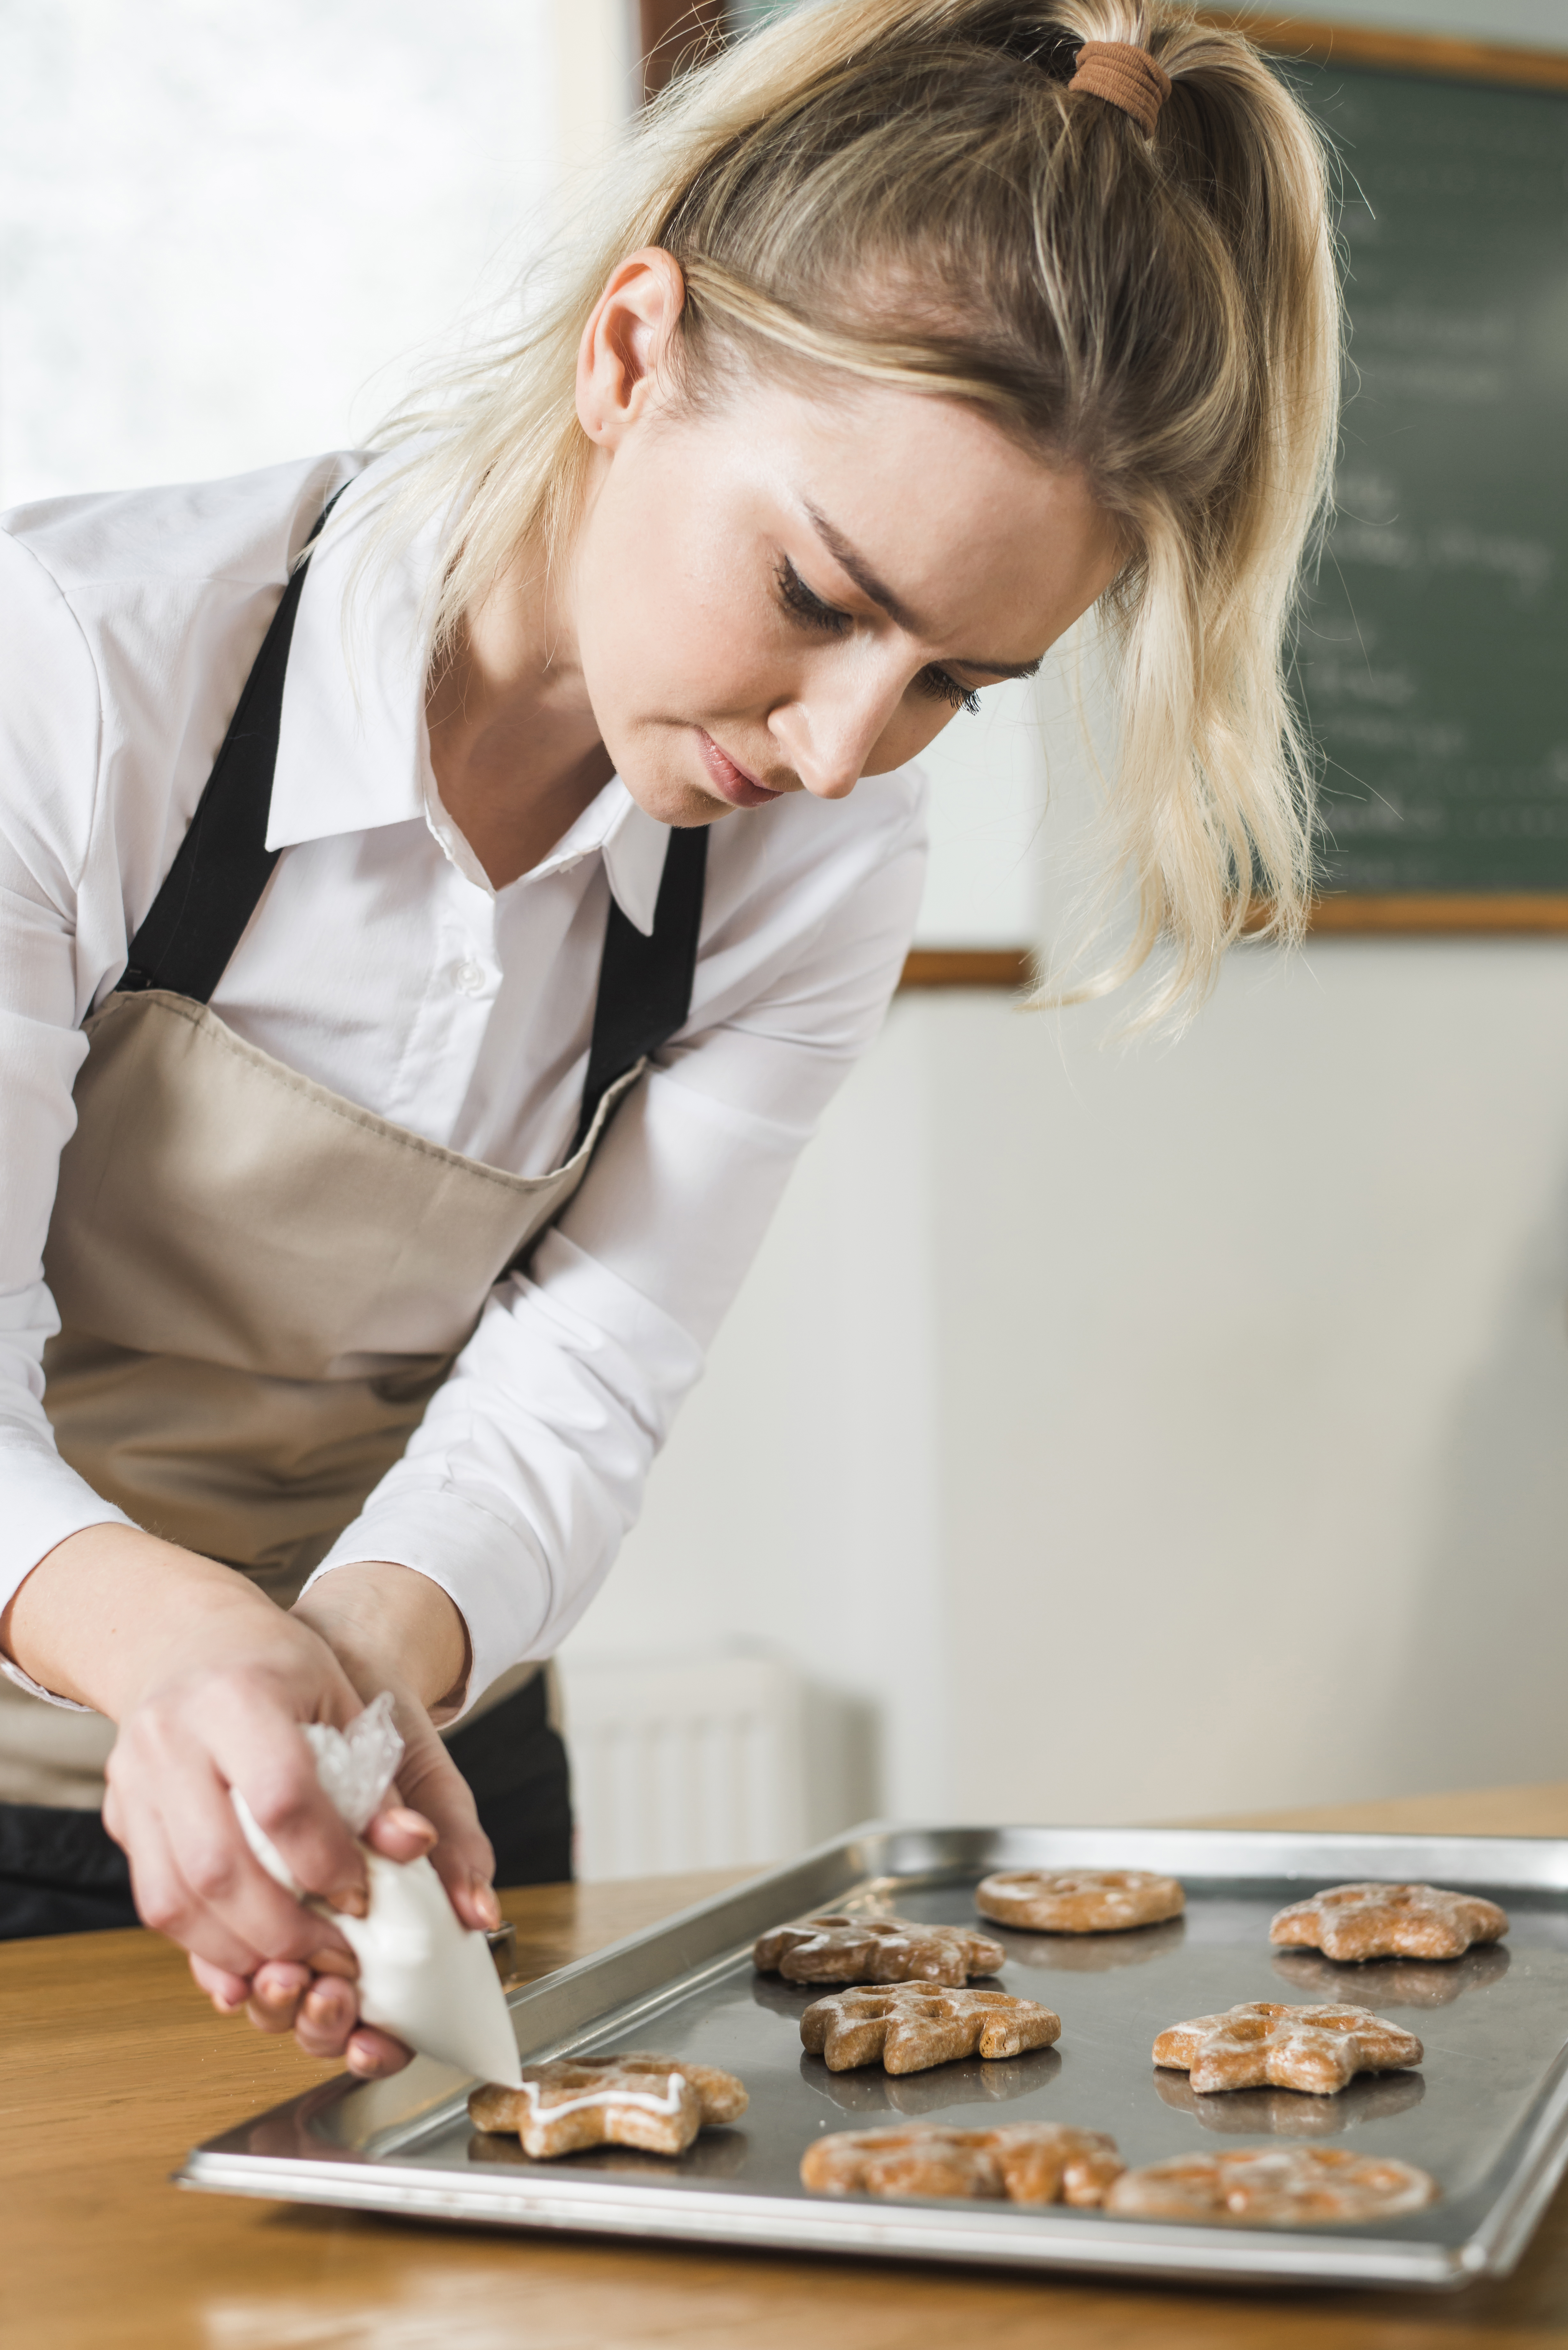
(1126, 76)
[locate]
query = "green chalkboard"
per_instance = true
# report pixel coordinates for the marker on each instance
(1434, 656)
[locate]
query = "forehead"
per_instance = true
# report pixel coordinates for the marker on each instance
(968, 526)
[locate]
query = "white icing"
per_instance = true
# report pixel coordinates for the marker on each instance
(669, 2104)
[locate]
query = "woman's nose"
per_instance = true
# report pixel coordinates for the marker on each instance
(827, 739)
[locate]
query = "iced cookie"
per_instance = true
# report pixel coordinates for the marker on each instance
(1021, 2162)
(910, 2027)
(657, 2103)
(1078, 1900)
(1274, 2186)
(834, 1948)
(1388, 1922)
(1260, 2045)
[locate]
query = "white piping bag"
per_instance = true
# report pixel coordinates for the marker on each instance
(423, 1975)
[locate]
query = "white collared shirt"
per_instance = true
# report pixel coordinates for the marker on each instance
(381, 964)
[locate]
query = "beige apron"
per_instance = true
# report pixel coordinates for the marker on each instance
(260, 1285)
(232, 1251)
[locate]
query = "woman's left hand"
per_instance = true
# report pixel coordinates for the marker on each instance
(394, 1629)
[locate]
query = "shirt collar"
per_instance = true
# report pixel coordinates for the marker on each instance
(353, 753)
(352, 749)
(631, 843)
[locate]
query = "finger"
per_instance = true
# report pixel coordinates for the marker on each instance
(334, 1963)
(236, 1904)
(276, 1990)
(374, 2055)
(227, 1992)
(328, 2014)
(258, 1748)
(399, 1833)
(167, 1903)
(431, 1785)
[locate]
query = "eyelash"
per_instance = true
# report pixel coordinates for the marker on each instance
(799, 600)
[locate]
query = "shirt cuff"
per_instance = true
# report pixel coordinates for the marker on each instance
(496, 1581)
(46, 1504)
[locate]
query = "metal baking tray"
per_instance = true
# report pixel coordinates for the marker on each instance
(1487, 2113)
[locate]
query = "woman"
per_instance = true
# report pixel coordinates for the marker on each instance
(442, 890)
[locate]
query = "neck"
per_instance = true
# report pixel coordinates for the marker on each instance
(513, 741)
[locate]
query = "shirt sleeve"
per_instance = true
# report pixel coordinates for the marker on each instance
(529, 1467)
(50, 736)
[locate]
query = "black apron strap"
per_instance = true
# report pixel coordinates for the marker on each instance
(224, 864)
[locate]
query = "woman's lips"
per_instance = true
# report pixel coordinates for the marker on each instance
(731, 783)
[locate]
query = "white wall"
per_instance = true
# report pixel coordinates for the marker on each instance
(227, 231)
(1154, 1433)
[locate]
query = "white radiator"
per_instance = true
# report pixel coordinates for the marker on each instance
(680, 1766)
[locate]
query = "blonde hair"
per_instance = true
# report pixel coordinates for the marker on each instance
(1161, 311)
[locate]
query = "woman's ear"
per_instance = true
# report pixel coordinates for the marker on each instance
(631, 329)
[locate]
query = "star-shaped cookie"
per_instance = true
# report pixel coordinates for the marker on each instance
(1260, 2045)
(911, 2026)
(1388, 1922)
(835, 1947)
(658, 2103)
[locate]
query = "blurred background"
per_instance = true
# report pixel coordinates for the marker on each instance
(1105, 1433)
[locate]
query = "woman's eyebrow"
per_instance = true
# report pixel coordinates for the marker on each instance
(860, 571)
(850, 560)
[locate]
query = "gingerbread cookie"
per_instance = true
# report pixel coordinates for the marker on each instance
(658, 2103)
(1274, 2186)
(1388, 1922)
(1260, 2045)
(911, 2027)
(835, 1948)
(1022, 2162)
(1078, 1900)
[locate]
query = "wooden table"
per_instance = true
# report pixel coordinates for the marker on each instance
(112, 2066)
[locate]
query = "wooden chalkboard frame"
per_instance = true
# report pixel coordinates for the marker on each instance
(1316, 42)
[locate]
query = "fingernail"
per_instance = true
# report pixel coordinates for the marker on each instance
(358, 2062)
(485, 1902)
(334, 1963)
(408, 1823)
(350, 1901)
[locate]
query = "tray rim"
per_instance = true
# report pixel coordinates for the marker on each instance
(706, 1936)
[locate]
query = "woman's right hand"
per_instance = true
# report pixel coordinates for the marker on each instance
(209, 1684)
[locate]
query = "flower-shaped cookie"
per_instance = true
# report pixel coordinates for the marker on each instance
(1274, 2186)
(911, 2027)
(1388, 1922)
(1260, 2045)
(658, 2103)
(1024, 2162)
(839, 1948)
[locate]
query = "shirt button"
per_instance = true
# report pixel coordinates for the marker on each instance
(470, 978)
